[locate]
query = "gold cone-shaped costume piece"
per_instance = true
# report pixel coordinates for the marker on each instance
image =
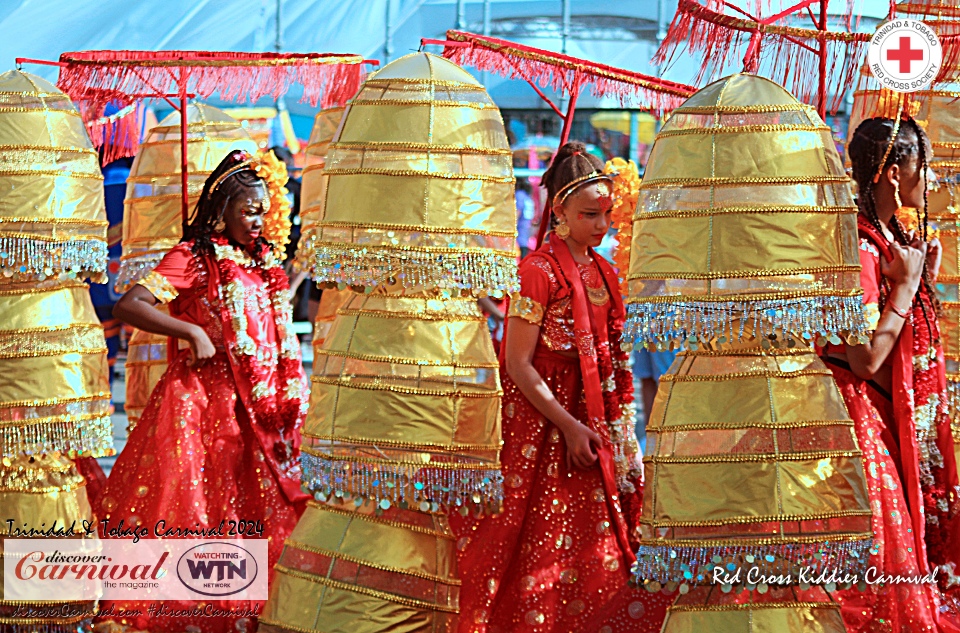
(42, 493)
(52, 219)
(314, 187)
(744, 249)
(418, 186)
(374, 571)
(745, 213)
(152, 221)
(405, 405)
(415, 203)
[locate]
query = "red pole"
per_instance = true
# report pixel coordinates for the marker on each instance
(822, 90)
(184, 195)
(568, 120)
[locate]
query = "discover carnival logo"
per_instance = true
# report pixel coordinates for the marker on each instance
(217, 569)
(905, 55)
(125, 569)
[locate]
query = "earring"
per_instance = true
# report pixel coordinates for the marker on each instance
(562, 230)
(219, 226)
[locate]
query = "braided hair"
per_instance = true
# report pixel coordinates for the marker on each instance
(212, 205)
(571, 162)
(866, 150)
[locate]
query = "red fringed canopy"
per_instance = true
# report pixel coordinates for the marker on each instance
(796, 57)
(94, 79)
(562, 73)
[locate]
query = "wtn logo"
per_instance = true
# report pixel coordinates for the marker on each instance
(217, 569)
(224, 568)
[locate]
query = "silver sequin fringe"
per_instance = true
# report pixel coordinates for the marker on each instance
(403, 486)
(86, 438)
(134, 269)
(23, 259)
(695, 565)
(821, 319)
(487, 272)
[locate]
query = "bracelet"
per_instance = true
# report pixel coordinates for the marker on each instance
(903, 314)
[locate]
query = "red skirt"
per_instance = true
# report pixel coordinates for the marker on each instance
(893, 606)
(195, 460)
(551, 560)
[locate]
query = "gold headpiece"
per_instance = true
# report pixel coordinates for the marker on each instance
(273, 171)
(576, 183)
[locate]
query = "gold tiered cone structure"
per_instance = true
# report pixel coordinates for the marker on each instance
(152, 222)
(414, 219)
(54, 385)
(744, 251)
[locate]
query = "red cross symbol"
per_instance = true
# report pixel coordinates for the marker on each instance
(905, 54)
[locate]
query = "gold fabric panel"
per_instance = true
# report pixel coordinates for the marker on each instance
(750, 489)
(777, 153)
(420, 553)
(416, 201)
(43, 129)
(799, 618)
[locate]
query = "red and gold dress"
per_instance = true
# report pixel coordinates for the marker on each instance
(910, 466)
(560, 551)
(218, 441)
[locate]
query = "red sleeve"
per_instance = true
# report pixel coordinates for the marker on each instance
(870, 277)
(536, 281)
(178, 271)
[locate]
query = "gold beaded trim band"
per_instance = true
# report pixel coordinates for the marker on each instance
(576, 183)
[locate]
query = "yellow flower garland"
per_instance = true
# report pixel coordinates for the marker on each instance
(276, 220)
(626, 191)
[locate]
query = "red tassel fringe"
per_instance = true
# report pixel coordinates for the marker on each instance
(564, 74)
(786, 56)
(94, 79)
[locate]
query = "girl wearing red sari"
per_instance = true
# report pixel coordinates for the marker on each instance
(894, 388)
(218, 440)
(561, 551)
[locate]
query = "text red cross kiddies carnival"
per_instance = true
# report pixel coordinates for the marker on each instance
(905, 55)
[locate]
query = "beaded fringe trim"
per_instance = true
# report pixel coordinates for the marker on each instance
(386, 485)
(133, 269)
(481, 273)
(694, 565)
(824, 319)
(86, 438)
(24, 259)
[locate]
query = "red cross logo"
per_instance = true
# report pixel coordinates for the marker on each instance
(905, 55)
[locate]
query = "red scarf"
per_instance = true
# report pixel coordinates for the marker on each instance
(928, 483)
(583, 328)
